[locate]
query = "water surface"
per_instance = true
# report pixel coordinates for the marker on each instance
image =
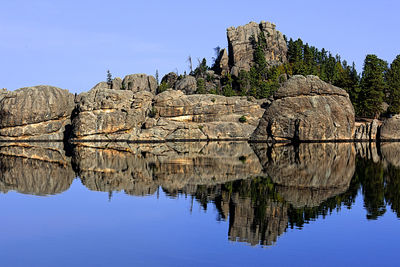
(217, 203)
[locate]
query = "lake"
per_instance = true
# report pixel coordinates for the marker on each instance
(199, 204)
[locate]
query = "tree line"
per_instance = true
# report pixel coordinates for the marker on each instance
(374, 92)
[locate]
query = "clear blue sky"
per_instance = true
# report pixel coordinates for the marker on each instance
(71, 44)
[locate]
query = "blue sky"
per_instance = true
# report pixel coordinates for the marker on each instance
(71, 44)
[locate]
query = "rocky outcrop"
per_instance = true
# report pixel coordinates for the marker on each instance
(221, 65)
(241, 45)
(38, 112)
(170, 79)
(306, 108)
(105, 114)
(139, 82)
(367, 131)
(179, 116)
(390, 128)
(188, 85)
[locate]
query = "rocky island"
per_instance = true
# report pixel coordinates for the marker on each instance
(191, 107)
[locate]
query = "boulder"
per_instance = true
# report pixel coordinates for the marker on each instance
(188, 85)
(105, 114)
(116, 83)
(170, 79)
(139, 82)
(306, 108)
(38, 112)
(390, 128)
(207, 116)
(104, 111)
(241, 45)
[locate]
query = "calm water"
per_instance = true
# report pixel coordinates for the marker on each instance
(199, 204)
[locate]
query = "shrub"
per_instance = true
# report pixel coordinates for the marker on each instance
(242, 119)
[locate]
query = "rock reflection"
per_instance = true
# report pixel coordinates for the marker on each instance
(173, 166)
(308, 174)
(260, 190)
(34, 170)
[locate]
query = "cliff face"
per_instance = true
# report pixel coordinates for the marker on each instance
(306, 108)
(124, 115)
(241, 45)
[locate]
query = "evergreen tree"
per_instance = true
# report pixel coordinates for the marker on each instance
(373, 86)
(109, 79)
(393, 80)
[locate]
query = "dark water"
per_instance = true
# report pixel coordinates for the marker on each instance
(199, 204)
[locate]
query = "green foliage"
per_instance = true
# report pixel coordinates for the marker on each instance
(109, 78)
(201, 68)
(393, 82)
(201, 86)
(227, 82)
(157, 78)
(373, 86)
(153, 112)
(162, 87)
(242, 119)
(243, 159)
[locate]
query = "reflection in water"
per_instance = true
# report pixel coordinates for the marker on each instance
(260, 190)
(34, 170)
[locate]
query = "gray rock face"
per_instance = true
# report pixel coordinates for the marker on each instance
(170, 79)
(391, 128)
(39, 112)
(222, 63)
(307, 108)
(105, 114)
(116, 83)
(140, 82)
(366, 130)
(105, 111)
(182, 116)
(241, 48)
(188, 85)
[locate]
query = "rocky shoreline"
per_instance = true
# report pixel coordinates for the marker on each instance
(188, 108)
(304, 109)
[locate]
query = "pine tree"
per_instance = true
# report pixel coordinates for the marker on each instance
(393, 80)
(109, 79)
(373, 86)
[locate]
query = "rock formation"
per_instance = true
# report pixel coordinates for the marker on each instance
(188, 85)
(139, 82)
(241, 45)
(367, 131)
(39, 112)
(170, 79)
(123, 115)
(105, 113)
(306, 108)
(390, 128)
(221, 65)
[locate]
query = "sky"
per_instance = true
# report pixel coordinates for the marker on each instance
(71, 44)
